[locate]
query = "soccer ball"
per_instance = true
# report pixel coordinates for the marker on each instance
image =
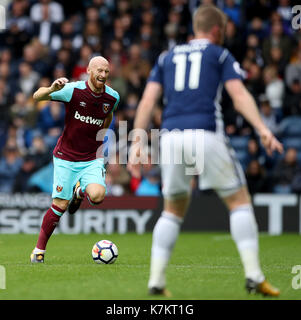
(105, 252)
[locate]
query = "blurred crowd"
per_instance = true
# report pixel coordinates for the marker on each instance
(46, 39)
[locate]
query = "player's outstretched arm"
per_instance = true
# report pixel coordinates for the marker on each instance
(245, 104)
(43, 93)
(151, 94)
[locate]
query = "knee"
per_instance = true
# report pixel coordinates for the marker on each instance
(97, 194)
(61, 203)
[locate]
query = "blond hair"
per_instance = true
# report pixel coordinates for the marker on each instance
(206, 17)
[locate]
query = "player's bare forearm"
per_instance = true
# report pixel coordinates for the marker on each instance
(43, 93)
(151, 93)
(245, 104)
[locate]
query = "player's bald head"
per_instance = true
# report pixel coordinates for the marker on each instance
(97, 61)
(98, 70)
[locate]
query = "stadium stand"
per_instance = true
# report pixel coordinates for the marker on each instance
(46, 39)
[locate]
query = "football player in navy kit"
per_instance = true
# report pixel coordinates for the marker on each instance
(191, 77)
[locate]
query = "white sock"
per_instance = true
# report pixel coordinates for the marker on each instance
(37, 250)
(77, 193)
(165, 235)
(244, 232)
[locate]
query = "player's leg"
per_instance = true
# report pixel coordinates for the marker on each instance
(165, 235)
(62, 191)
(91, 184)
(176, 190)
(49, 223)
(224, 173)
(95, 193)
(243, 228)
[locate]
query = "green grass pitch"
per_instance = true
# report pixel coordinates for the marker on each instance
(203, 266)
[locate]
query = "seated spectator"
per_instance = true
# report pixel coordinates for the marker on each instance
(130, 108)
(28, 78)
(257, 27)
(150, 184)
(274, 89)
(10, 164)
(15, 39)
(277, 59)
(233, 11)
(256, 177)
(171, 32)
(254, 81)
(54, 11)
(66, 37)
(254, 152)
(79, 71)
(284, 9)
(117, 179)
(5, 100)
(33, 55)
(37, 157)
(117, 176)
(117, 82)
(267, 113)
(136, 70)
(292, 99)
(285, 171)
(293, 70)
(64, 59)
(116, 54)
(45, 28)
(17, 15)
(150, 180)
(23, 107)
(51, 122)
(233, 40)
(279, 39)
(253, 42)
(92, 36)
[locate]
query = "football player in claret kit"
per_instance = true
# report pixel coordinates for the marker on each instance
(77, 171)
(191, 76)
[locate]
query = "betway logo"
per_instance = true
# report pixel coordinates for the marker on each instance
(88, 119)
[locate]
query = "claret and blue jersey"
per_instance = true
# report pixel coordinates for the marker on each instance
(192, 76)
(86, 112)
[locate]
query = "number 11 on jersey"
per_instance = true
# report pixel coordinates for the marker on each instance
(180, 60)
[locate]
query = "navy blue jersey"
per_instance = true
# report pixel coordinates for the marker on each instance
(192, 76)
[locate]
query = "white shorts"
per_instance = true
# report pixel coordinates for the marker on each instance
(214, 162)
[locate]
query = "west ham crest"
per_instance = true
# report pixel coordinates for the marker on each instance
(59, 188)
(105, 107)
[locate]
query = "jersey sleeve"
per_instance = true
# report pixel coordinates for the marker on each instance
(63, 95)
(156, 75)
(117, 102)
(230, 67)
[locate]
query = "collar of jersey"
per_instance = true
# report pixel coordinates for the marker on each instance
(203, 41)
(93, 93)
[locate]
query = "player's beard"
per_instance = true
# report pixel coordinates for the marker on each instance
(98, 85)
